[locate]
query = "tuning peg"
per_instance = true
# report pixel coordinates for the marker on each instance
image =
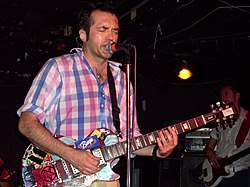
(218, 104)
(212, 106)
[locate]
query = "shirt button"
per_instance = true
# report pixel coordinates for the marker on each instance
(102, 105)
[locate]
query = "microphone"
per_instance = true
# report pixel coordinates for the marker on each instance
(113, 47)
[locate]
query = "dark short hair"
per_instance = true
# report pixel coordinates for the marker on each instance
(84, 15)
(234, 86)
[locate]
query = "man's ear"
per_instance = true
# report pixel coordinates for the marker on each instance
(83, 35)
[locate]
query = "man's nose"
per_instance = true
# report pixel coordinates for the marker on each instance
(111, 36)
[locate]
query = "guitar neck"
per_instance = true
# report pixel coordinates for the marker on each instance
(142, 141)
(231, 159)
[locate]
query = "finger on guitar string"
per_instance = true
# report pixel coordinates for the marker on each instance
(165, 140)
(173, 135)
(84, 161)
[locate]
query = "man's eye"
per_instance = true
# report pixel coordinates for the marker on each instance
(103, 28)
(115, 31)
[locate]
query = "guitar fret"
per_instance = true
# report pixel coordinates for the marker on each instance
(133, 148)
(200, 121)
(119, 147)
(142, 141)
(152, 138)
(161, 130)
(174, 129)
(179, 128)
(189, 127)
(109, 153)
(133, 144)
(185, 126)
(114, 151)
(106, 153)
(193, 123)
(138, 142)
(146, 139)
(124, 147)
(156, 135)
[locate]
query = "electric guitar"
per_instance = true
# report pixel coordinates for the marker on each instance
(213, 176)
(40, 168)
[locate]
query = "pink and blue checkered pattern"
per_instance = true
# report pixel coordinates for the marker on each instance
(68, 99)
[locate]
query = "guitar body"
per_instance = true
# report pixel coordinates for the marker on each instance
(213, 176)
(40, 168)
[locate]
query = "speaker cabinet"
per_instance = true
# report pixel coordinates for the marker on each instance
(169, 172)
(192, 169)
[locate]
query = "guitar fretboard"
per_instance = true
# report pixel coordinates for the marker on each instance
(116, 150)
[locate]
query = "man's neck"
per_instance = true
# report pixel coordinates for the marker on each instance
(238, 107)
(99, 66)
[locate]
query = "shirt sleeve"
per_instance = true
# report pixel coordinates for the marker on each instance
(43, 92)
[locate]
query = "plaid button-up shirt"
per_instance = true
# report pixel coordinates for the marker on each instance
(68, 99)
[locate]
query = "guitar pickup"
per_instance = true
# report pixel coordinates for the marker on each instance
(98, 153)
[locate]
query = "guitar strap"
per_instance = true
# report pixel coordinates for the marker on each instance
(243, 131)
(115, 108)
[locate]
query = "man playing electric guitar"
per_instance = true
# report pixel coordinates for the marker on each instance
(229, 141)
(71, 96)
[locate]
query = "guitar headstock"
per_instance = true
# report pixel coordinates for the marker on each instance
(226, 114)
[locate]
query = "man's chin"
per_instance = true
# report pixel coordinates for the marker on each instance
(108, 55)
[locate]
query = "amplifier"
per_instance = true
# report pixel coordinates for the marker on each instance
(196, 141)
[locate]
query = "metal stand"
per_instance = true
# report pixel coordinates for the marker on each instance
(129, 134)
(129, 128)
(129, 125)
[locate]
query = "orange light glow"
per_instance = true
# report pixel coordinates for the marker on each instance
(185, 74)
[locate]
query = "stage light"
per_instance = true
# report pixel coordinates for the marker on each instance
(61, 46)
(185, 73)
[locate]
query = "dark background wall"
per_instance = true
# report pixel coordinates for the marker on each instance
(12, 143)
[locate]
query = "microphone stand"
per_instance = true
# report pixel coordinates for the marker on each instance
(129, 124)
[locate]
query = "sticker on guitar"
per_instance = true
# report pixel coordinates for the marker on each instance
(40, 168)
